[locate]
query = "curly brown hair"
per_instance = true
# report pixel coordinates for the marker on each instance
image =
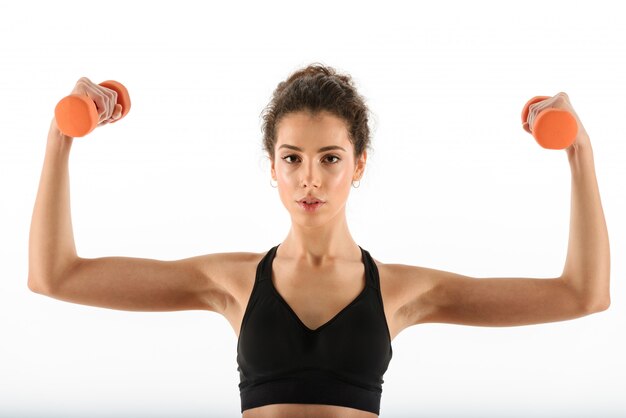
(317, 88)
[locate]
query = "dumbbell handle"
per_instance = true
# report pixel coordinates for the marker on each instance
(77, 114)
(552, 128)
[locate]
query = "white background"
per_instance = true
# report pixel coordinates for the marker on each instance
(454, 183)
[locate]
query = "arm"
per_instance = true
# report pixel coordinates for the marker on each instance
(124, 283)
(583, 288)
(587, 266)
(51, 248)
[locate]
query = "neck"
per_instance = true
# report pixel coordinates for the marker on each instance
(320, 245)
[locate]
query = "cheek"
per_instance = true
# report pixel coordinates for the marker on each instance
(284, 176)
(340, 179)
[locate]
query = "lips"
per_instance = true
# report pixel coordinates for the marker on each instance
(310, 200)
(313, 207)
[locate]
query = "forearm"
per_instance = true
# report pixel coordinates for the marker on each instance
(51, 247)
(587, 266)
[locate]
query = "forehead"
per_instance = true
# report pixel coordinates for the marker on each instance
(302, 128)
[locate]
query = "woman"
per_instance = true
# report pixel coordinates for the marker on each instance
(315, 315)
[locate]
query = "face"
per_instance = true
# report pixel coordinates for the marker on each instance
(326, 174)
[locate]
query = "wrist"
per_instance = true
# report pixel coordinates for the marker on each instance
(58, 139)
(582, 145)
(580, 156)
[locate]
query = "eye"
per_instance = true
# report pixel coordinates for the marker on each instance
(328, 156)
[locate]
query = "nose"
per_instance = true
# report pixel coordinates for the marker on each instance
(310, 175)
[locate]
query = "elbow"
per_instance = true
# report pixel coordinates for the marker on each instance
(38, 286)
(598, 305)
(602, 303)
(605, 304)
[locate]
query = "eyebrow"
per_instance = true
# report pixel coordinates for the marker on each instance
(319, 150)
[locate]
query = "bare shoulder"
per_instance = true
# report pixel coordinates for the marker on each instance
(227, 273)
(402, 288)
(399, 281)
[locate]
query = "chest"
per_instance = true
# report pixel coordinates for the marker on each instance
(315, 297)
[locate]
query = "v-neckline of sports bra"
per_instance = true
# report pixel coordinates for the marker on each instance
(336, 316)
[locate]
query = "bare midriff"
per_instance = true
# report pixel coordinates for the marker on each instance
(306, 411)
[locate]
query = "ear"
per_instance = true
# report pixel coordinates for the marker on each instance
(360, 166)
(272, 170)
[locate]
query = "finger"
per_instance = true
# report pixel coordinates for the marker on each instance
(118, 111)
(111, 95)
(108, 97)
(99, 100)
(538, 107)
(532, 112)
(101, 96)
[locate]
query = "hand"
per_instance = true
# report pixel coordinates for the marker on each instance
(560, 101)
(104, 98)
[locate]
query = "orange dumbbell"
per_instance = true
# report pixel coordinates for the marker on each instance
(552, 128)
(77, 115)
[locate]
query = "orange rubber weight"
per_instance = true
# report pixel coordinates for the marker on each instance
(77, 115)
(552, 128)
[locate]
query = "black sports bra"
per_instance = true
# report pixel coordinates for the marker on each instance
(342, 362)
